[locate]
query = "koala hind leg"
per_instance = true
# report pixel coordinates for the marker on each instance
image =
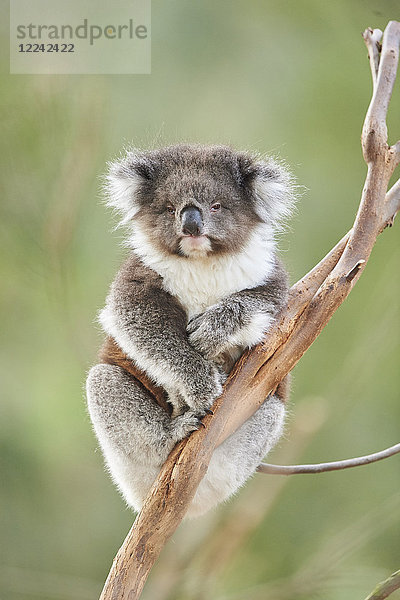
(135, 434)
(237, 458)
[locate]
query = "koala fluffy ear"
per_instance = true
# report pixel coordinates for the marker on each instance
(272, 188)
(124, 181)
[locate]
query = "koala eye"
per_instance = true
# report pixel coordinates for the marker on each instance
(215, 207)
(171, 209)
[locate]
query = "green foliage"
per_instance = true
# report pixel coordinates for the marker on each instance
(284, 77)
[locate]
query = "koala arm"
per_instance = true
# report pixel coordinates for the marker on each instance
(241, 319)
(149, 325)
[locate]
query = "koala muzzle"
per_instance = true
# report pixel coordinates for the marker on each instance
(192, 223)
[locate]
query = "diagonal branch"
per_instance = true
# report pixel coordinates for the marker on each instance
(313, 300)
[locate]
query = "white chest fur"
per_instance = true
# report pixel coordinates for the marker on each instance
(201, 282)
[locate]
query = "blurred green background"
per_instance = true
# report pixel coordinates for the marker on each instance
(286, 77)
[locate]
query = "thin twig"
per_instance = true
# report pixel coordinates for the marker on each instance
(385, 588)
(372, 38)
(329, 466)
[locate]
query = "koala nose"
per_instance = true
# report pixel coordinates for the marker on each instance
(192, 223)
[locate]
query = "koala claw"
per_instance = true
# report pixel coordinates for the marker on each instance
(194, 323)
(209, 411)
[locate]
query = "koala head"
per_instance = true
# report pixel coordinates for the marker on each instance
(192, 200)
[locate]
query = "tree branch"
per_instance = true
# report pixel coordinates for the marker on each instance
(396, 152)
(313, 300)
(329, 466)
(372, 38)
(392, 205)
(385, 588)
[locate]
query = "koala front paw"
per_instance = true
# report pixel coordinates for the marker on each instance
(207, 333)
(185, 424)
(177, 402)
(206, 387)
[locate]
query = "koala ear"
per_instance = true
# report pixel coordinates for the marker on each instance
(124, 181)
(272, 188)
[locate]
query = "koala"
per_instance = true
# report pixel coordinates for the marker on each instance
(202, 283)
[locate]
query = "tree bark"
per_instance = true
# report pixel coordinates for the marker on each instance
(313, 300)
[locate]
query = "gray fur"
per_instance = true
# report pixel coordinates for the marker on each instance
(183, 308)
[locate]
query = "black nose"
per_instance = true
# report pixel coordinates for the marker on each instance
(192, 223)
